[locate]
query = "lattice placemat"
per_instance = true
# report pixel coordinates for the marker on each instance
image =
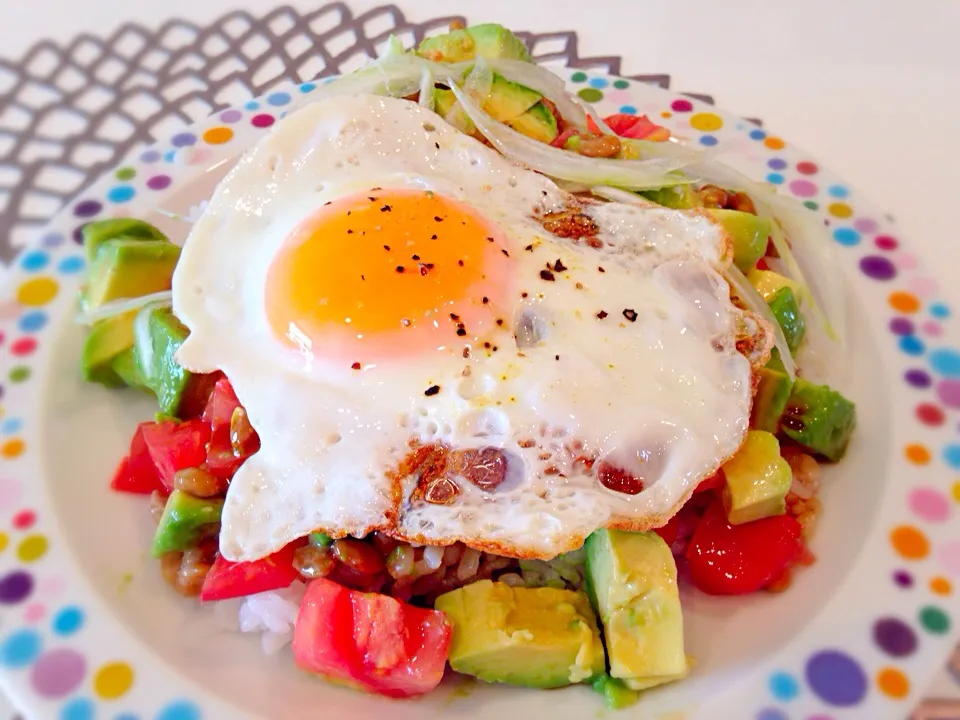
(69, 113)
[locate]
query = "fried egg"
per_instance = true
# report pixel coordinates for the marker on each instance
(438, 344)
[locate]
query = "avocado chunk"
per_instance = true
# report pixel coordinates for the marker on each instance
(127, 368)
(616, 695)
(773, 391)
(749, 233)
(758, 480)
(537, 123)
(819, 418)
(679, 197)
(185, 521)
(533, 637)
(99, 231)
(106, 340)
(508, 100)
(632, 582)
(785, 308)
(159, 335)
(125, 268)
(488, 40)
(768, 283)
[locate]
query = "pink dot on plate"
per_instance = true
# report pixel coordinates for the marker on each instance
(932, 329)
(51, 586)
(58, 673)
(865, 225)
(9, 493)
(950, 557)
(949, 393)
(922, 287)
(929, 504)
(803, 188)
(34, 613)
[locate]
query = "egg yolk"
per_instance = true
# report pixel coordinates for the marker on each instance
(388, 273)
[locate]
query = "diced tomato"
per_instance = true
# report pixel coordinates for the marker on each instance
(714, 482)
(738, 559)
(230, 579)
(762, 264)
(681, 525)
(137, 473)
(635, 127)
(669, 531)
(562, 138)
(176, 446)
(369, 641)
(223, 401)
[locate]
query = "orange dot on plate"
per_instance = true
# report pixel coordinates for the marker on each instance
(113, 680)
(940, 586)
(12, 448)
(917, 454)
(218, 135)
(666, 114)
(774, 143)
(893, 683)
(909, 542)
(904, 302)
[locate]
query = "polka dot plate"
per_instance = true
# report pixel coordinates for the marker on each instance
(89, 631)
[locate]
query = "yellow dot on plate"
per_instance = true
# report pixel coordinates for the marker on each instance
(4, 541)
(218, 135)
(774, 143)
(917, 454)
(113, 680)
(706, 122)
(12, 448)
(904, 302)
(893, 683)
(909, 542)
(38, 291)
(840, 210)
(940, 586)
(32, 548)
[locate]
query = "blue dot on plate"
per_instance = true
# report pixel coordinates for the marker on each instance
(945, 361)
(837, 191)
(32, 321)
(771, 714)
(599, 83)
(784, 686)
(180, 710)
(708, 140)
(939, 310)
(20, 649)
(307, 87)
(68, 621)
(757, 134)
(628, 109)
(911, 345)
(78, 709)
(169, 156)
(951, 455)
(71, 265)
(10, 426)
(127, 716)
(278, 98)
(251, 105)
(846, 236)
(775, 178)
(121, 194)
(34, 261)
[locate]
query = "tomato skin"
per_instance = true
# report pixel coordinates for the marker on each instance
(175, 446)
(714, 482)
(371, 642)
(729, 559)
(137, 472)
(634, 127)
(221, 459)
(228, 579)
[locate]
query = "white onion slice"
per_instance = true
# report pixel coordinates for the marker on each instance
(755, 302)
(622, 196)
(426, 98)
(125, 305)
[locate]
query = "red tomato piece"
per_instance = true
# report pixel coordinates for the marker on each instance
(371, 642)
(136, 472)
(738, 559)
(714, 482)
(228, 579)
(223, 401)
(635, 127)
(176, 446)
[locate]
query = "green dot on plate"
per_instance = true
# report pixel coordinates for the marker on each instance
(621, 84)
(590, 94)
(19, 374)
(934, 620)
(125, 173)
(578, 77)
(810, 204)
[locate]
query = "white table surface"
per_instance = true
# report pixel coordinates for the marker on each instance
(869, 87)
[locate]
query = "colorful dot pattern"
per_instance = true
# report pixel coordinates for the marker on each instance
(43, 643)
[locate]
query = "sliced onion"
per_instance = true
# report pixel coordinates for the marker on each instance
(622, 196)
(426, 98)
(755, 302)
(565, 165)
(544, 82)
(594, 115)
(120, 307)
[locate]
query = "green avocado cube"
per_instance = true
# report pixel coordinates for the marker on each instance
(785, 308)
(773, 392)
(127, 368)
(537, 123)
(185, 521)
(487, 40)
(616, 695)
(107, 340)
(768, 282)
(532, 637)
(632, 583)
(99, 231)
(749, 233)
(679, 197)
(820, 419)
(125, 268)
(508, 100)
(757, 480)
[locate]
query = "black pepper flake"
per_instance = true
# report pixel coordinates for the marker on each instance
(499, 321)
(461, 331)
(437, 218)
(495, 348)
(556, 357)
(544, 192)
(425, 268)
(386, 208)
(630, 315)
(328, 202)
(349, 212)
(489, 239)
(454, 317)
(400, 268)
(486, 345)
(460, 263)
(504, 251)
(601, 269)
(547, 275)
(371, 199)
(376, 189)
(466, 352)
(355, 366)
(437, 145)
(363, 277)
(349, 232)
(432, 390)
(529, 248)
(602, 314)
(523, 294)
(559, 266)
(433, 237)
(414, 257)
(386, 247)
(485, 300)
